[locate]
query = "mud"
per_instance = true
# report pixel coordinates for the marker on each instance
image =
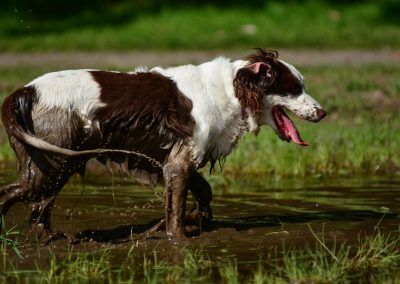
(250, 217)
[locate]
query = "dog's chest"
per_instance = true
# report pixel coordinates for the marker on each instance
(221, 144)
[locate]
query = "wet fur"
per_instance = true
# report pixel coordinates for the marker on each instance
(160, 125)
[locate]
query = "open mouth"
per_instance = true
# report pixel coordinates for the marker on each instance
(286, 129)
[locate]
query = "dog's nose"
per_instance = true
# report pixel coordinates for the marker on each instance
(321, 113)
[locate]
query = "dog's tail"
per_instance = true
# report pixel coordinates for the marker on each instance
(17, 120)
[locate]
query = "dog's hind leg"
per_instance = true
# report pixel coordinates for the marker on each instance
(201, 213)
(43, 174)
(41, 178)
(48, 173)
(39, 222)
(38, 189)
(9, 195)
(7, 188)
(46, 188)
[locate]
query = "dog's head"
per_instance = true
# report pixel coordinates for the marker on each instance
(266, 86)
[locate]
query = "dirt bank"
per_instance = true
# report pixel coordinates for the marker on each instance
(153, 58)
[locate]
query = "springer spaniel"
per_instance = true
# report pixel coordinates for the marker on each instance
(158, 124)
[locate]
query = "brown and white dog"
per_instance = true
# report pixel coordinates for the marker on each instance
(158, 124)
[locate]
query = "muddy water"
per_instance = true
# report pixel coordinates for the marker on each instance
(249, 217)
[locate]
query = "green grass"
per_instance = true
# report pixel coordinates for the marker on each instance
(311, 24)
(373, 257)
(8, 245)
(358, 137)
(338, 148)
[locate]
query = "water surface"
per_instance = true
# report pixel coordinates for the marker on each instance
(250, 216)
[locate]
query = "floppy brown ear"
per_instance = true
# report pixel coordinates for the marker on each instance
(264, 72)
(246, 87)
(255, 68)
(252, 82)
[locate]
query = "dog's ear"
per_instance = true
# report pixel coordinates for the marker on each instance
(256, 67)
(248, 84)
(252, 82)
(264, 72)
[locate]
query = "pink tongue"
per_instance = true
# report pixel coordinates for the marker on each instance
(293, 133)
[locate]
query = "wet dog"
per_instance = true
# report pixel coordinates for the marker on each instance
(160, 125)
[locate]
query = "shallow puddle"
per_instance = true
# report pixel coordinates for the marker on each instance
(249, 217)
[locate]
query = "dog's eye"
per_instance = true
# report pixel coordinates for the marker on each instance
(295, 89)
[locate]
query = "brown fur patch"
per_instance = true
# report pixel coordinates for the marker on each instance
(130, 97)
(144, 112)
(261, 55)
(247, 91)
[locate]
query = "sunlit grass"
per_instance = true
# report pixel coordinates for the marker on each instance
(307, 24)
(229, 272)
(373, 257)
(9, 245)
(338, 148)
(376, 252)
(74, 267)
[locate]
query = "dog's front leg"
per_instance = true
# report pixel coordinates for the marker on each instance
(176, 172)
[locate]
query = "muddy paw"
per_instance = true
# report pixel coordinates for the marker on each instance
(198, 218)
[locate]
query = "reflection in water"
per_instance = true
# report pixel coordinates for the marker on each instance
(248, 216)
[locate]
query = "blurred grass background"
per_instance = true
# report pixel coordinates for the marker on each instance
(45, 25)
(360, 135)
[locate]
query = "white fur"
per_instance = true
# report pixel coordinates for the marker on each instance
(294, 71)
(303, 106)
(140, 69)
(216, 110)
(69, 89)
